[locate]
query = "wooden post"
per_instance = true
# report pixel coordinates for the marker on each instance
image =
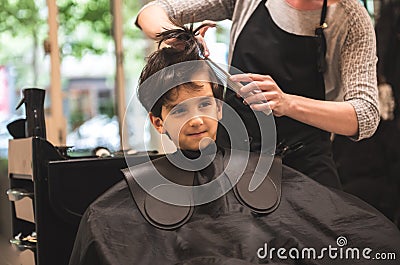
(55, 123)
(119, 75)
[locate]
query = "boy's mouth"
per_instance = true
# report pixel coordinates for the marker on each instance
(197, 134)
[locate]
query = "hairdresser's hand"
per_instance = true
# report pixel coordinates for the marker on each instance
(202, 31)
(265, 94)
(200, 38)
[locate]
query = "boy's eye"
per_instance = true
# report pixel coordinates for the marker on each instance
(177, 110)
(205, 103)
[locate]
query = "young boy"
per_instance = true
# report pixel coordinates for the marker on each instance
(305, 224)
(188, 112)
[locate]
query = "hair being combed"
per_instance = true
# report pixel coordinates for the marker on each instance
(184, 34)
(189, 49)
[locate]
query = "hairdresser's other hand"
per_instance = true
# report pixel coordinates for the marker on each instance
(265, 94)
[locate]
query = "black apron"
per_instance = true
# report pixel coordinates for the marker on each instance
(292, 61)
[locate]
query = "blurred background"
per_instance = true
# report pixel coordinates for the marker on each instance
(87, 51)
(87, 55)
(99, 61)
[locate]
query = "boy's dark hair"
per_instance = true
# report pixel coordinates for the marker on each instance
(156, 91)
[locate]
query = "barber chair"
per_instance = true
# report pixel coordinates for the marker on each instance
(49, 191)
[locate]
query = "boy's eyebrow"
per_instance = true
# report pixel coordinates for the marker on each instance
(170, 106)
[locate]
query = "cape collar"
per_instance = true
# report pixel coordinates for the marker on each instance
(264, 199)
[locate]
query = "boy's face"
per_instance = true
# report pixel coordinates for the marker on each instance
(191, 117)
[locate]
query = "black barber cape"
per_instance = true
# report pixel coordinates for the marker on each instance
(309, 218)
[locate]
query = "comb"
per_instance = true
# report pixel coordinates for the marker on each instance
(224, 76)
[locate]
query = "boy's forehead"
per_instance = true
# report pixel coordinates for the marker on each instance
(201, 76)
(182, 93)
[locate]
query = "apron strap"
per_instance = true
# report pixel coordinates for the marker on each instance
(320, 37)
(323, 13)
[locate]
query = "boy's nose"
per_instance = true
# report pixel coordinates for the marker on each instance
(196, 121)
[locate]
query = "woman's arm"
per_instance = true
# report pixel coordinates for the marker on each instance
(336, 117)
(153, 17)
(358, 115)
(358, 72)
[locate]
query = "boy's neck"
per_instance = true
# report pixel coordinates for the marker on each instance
(193, 154)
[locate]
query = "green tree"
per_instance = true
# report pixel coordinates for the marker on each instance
(21, 20)
(85, 26)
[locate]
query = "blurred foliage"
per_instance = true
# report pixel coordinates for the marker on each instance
(3, 167)
(107, 108)
(85, 26)
(20, 17)
(76, 119)
(21, 25)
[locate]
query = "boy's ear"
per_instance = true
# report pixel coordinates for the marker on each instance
(157, 123)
